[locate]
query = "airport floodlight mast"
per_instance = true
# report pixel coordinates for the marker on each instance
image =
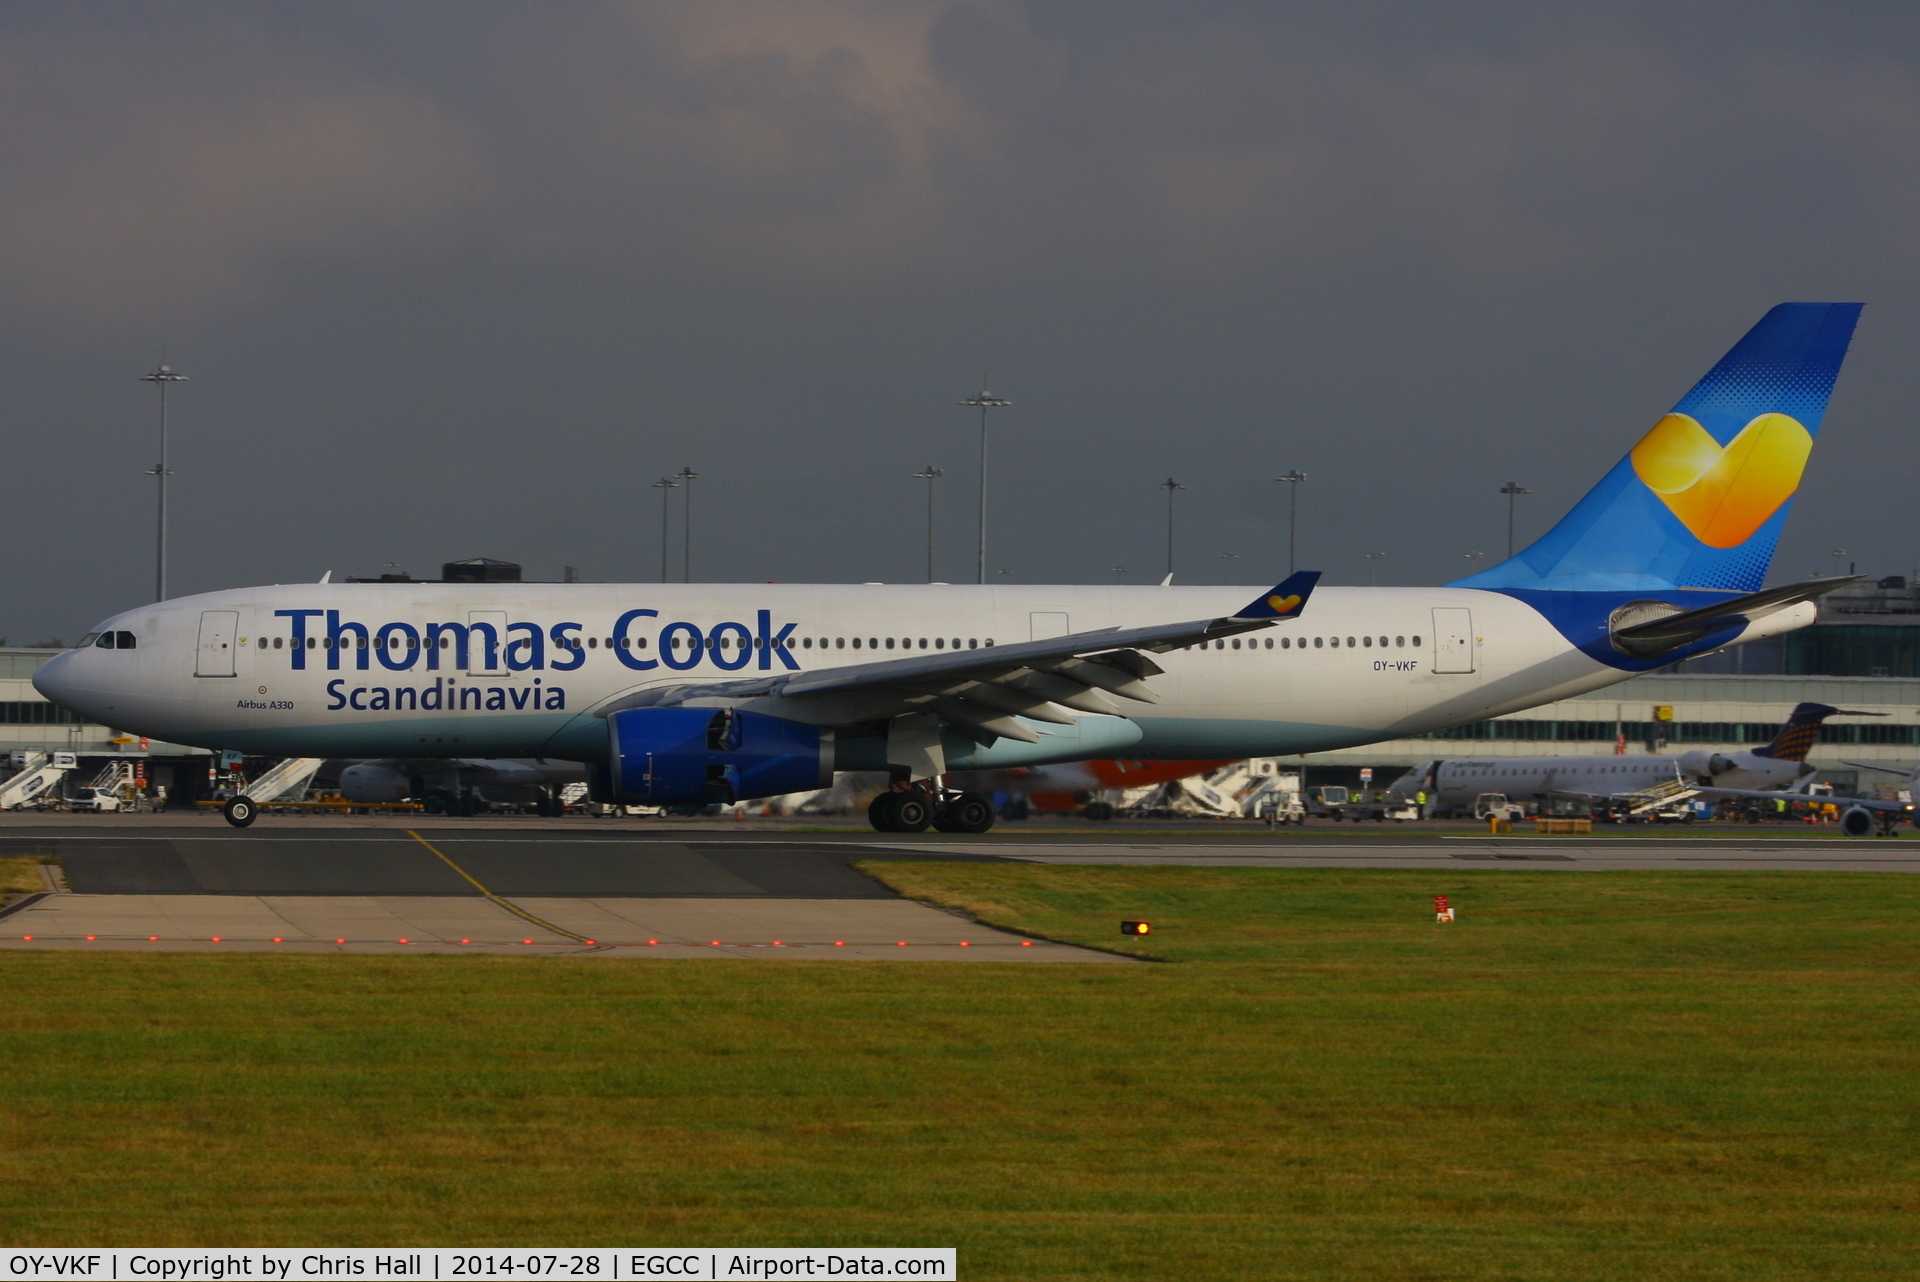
(930, 475)
(686, 476)
(1292, 479)
(1170, 485)
(664, 485)
(160, 378)
(984, 402)
(1473, 561)
(1373, 567)
(1513, 491)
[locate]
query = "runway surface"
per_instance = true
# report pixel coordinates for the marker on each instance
(587, 893)
(392, 862)
(631, 891)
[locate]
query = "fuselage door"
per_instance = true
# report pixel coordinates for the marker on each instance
(1452, 640)
(214, 655)
(486, 642)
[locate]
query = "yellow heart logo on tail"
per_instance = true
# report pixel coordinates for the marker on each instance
(1722, 495)
(1281, 604)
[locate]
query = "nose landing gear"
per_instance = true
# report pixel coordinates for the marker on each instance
(240, 811)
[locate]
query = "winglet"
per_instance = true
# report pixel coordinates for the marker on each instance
(1286, 601)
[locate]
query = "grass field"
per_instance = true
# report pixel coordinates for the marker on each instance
(20, 873)
(1590, 1075)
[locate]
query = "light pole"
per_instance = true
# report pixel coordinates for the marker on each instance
(1373, 566)
(1473, 562)
(686, 476)
(1513, 491)
(930, 475)
(1170, 485)
(984, 402)
(664, 484)
(160, 378)
(1119, 570)
(1292, 479)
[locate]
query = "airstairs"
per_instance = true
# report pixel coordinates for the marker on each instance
(116, 777)
(288, 779)
(38, 773)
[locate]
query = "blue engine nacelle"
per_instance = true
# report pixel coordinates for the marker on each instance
(697, 756)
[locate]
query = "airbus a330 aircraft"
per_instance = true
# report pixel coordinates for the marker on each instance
(1781, 764)
(685, 694)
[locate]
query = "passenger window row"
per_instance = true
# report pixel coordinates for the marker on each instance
(904, 643)
(677, 642)
(1319, 643)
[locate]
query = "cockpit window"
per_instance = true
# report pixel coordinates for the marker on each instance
(126, 640)
(87, 640)
(106, 641)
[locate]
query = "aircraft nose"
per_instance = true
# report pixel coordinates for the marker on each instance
(54, 678)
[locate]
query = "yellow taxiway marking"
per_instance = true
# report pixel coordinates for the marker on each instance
(513, 908)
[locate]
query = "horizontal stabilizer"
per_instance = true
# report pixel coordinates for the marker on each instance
(1671, 632)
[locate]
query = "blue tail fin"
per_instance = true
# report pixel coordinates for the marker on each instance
(1796, 738)
(1699, 501)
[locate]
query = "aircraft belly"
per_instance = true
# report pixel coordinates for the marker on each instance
(520, 735)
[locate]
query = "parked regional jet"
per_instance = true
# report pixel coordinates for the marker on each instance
(1781, 764)
(1861, 813)
(679, 694)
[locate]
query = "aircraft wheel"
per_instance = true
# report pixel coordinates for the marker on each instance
(968, 812)
(911, 812)
(1097, 811)
(880, 813)
(240, 812)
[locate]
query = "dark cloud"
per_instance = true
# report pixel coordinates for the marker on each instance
(464, 279)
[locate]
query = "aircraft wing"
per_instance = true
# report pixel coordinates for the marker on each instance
(1865, 803)
(981, 693)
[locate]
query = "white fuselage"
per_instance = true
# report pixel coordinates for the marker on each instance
(221, 670)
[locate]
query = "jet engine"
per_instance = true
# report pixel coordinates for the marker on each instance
(1705, 765)
(372, 784)
(1857, 822)
(697, 756)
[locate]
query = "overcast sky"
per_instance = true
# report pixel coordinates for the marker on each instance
(458, 280)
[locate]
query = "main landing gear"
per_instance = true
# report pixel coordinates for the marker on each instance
(918, 808)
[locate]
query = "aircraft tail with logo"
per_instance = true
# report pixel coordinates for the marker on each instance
(1797, 737)
(1698, 503)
